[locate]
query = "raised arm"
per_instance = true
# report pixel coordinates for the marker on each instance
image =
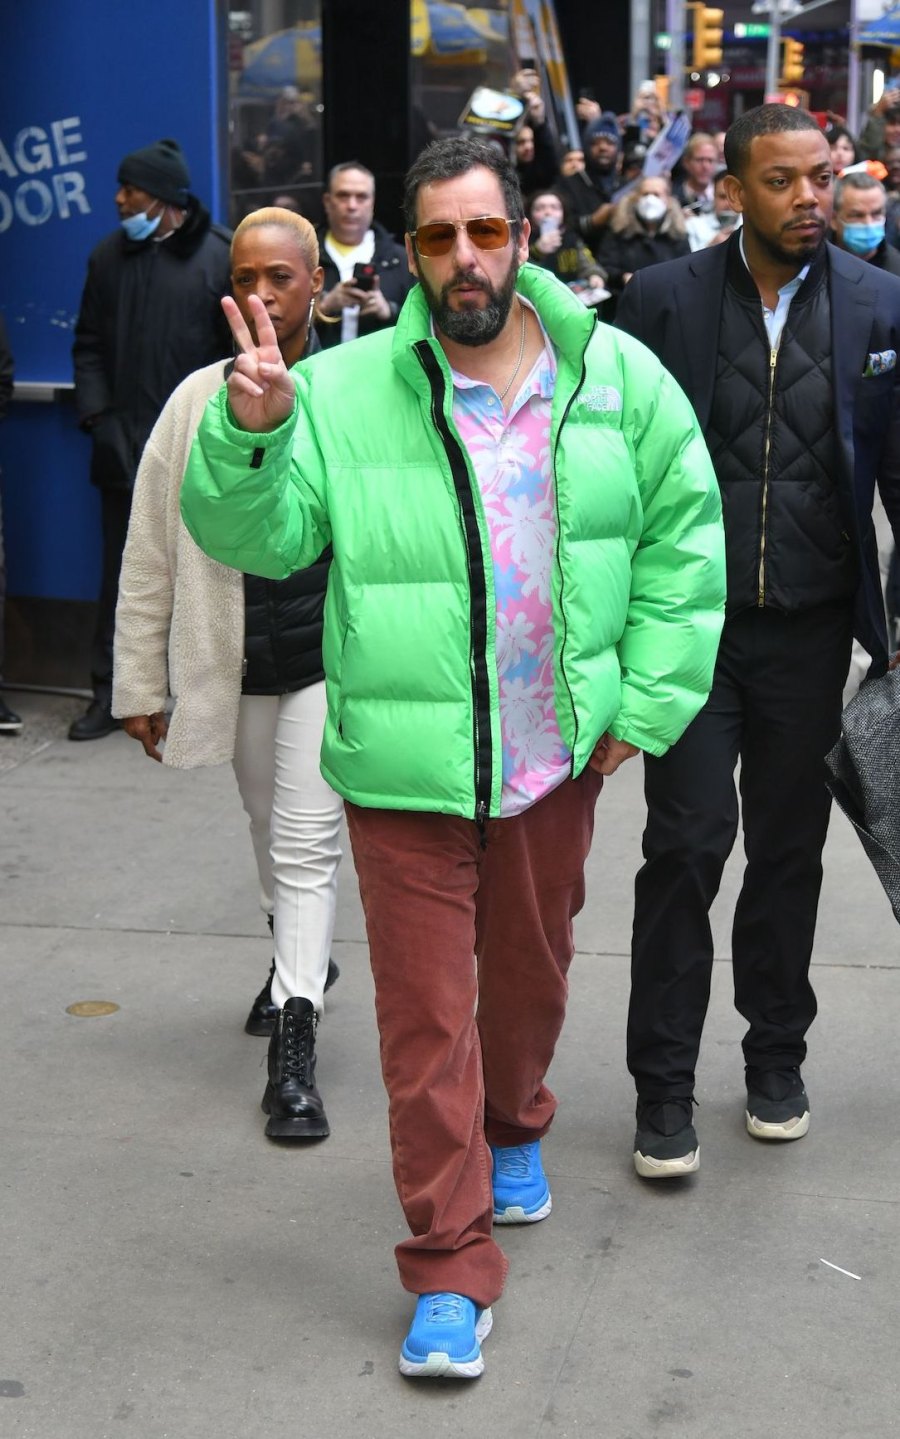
(261, 392)
(253, 495)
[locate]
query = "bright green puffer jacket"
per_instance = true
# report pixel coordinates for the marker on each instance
(371, 463)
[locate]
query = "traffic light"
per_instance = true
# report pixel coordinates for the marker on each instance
(792, 63)
(708, 21)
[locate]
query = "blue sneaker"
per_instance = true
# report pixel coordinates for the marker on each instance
(444, 1339)
(521, 1191)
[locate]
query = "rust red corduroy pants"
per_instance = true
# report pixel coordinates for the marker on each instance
(470, 947)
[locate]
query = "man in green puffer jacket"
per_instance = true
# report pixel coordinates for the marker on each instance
(527, 589)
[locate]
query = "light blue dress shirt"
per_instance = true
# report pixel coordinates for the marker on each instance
(774, 320)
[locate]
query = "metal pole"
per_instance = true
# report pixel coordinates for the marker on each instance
(773, 53)
(641, 55)
(854, 118)
(675, 63)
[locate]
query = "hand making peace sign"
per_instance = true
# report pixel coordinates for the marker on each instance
(261, 392)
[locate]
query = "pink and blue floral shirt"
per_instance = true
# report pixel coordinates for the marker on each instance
(510, 454)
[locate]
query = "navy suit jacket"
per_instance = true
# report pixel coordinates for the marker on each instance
(675, 309)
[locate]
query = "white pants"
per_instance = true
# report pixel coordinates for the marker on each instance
(295, 820)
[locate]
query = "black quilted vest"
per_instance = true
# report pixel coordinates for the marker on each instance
(283, 630)
(771, 437)
(283, 619)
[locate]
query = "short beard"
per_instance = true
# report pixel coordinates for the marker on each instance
(472, 326)
(798, 257)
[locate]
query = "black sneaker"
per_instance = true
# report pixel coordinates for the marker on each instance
(10, 723)
(777, 1104)
(665, 1145)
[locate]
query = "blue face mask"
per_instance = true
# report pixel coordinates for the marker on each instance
(140, 227)
(863, 239)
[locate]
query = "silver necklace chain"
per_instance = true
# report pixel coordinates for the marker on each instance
(503, 393)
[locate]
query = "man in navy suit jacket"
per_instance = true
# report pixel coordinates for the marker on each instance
(787, 348)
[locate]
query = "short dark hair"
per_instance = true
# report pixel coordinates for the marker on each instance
(346, 165)
(762, 120)
(456, 155)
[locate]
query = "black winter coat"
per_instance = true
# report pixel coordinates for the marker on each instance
(583, 194)
(770, 435)
(626, 254)
(396, 282)
(150, 315)
(677, 309)
(543, 170)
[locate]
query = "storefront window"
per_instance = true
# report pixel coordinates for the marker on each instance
(275, 104)
(455, 47)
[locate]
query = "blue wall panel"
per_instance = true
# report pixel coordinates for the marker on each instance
(83, 83)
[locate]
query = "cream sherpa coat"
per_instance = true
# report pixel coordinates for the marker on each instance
(180, 615)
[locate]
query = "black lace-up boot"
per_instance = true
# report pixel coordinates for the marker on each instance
(291, 1100)
(263, 1013)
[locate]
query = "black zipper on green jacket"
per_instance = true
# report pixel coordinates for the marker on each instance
(481, 690)
(562, 573)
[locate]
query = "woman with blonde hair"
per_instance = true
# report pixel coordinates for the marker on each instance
(646, 228)
(241, 658)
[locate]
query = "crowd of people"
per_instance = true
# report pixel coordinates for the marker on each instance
(422, 611)
(627, 221)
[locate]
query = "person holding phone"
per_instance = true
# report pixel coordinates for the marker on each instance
(556, 247)
(366, 275)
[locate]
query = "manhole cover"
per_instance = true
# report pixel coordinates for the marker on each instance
(90, 1008)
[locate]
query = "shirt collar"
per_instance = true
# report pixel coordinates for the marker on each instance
(787, 291)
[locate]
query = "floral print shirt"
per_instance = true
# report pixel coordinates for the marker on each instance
(510, 454)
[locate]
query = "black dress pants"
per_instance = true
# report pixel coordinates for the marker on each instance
(115, 512)
(775, 705)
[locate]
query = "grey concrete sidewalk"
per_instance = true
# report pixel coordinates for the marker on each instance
(168, 1273)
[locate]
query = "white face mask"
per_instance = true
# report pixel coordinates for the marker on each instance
(651, 208)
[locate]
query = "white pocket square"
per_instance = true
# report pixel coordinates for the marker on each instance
(879, 362)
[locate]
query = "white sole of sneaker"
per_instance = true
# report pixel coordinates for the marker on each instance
(790, 1129)
(515, 1214)
(441, 1366)
(649, 1168)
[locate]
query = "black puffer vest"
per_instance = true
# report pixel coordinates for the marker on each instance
(283, 630)
(283, 621)
(771, 437)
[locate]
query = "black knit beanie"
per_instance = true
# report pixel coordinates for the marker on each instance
(161, 170)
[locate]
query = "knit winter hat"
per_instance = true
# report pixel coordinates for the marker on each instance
(606, 124)
(160, 169)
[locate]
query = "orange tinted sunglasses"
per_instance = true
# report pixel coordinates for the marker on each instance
(487, 232)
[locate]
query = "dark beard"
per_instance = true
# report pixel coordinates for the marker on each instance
(475, 326)
(793, 257)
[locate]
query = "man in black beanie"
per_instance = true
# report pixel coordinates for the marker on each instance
(150, 315)
(590, 177)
